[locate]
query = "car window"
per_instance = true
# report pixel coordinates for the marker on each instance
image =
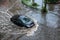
(24, 19)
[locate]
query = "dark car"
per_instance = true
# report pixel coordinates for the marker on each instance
(23, 21)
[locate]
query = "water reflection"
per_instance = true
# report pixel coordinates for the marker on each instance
(58, 30)
(44, 18)
(45, 27)
(40, 3)
(58, 10)
(52, 20)
(51, 7)
(50, 23)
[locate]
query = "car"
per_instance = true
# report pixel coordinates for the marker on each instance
(22, 20)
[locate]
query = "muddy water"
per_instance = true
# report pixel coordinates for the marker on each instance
(49, 23)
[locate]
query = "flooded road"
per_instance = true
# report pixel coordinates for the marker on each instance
(49, 23)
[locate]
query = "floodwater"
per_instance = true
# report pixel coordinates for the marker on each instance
(49, 23)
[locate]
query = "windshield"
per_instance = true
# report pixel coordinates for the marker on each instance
(25, 19)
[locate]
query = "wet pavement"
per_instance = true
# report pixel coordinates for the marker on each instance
(49, 23)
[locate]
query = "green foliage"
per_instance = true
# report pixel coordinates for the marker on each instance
(34, 5)
(29, 3)
(44, 10)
